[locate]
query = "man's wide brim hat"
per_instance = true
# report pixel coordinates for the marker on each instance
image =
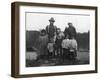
(52, 19)
(69, 23)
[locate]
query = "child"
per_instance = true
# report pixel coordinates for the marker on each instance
(43, 41)
(65, 46)
(59, 38)
(73, 47)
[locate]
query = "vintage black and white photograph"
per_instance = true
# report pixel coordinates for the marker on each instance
(52, 39)
(57, 39)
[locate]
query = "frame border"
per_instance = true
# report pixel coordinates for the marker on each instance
(15, 38)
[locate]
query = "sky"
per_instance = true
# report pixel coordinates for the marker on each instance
(38, 21)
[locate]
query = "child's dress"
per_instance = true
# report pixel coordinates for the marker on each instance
(43, 41)
(65, 47)
(69, 44)
(73, 44)
(73, 49)
(66, 43)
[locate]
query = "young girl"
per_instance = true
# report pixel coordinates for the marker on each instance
(73, 47)
(65, 46)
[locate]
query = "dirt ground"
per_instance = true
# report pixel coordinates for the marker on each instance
(82, 58)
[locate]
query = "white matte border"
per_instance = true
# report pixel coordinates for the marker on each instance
(53, 69)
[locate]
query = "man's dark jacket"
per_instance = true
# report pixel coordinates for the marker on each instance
(51, 30)
(70, 31)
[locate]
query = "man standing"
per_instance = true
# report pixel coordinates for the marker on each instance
(51, 29)
(71, 31)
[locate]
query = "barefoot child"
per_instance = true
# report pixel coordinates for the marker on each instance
(65, 46)
(59, 38)
(51, 48)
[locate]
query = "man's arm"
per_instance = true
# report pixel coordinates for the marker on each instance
(55, 29)
(65, 31)
(75, 33)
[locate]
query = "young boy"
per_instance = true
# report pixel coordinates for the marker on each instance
(59, 38)
(51, 48)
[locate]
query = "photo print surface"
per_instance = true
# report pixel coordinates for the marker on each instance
(57, 39)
